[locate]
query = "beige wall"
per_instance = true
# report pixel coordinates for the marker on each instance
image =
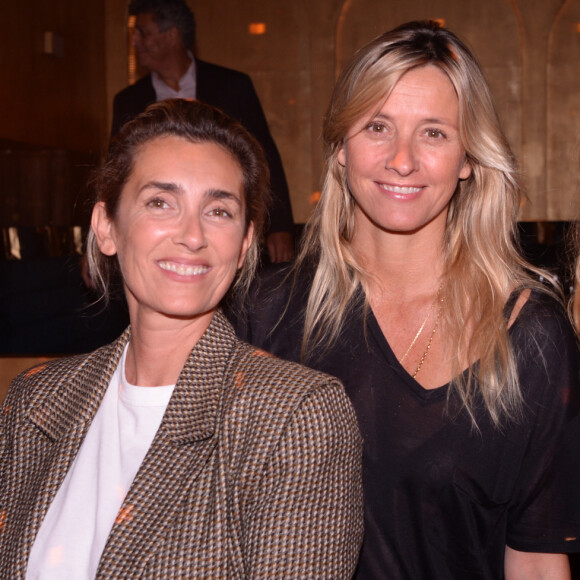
(528, 48)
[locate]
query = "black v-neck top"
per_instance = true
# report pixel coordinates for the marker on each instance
(442, 499)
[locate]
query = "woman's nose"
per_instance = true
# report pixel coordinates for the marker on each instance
(401, 157)
(191, 233)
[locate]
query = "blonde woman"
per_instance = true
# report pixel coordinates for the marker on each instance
(462, 368)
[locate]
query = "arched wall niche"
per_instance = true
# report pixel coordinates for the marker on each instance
(563, 114)
(492, 29)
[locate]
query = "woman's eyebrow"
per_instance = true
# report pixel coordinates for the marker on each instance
(223, 194)
(434, 120)
(165, 186)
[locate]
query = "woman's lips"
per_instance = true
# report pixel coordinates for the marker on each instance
(183, 269)
(400, 189)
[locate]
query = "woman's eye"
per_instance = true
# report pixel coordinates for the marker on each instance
(435, 133)
(220, 212)
(375, 127)
(157, 203)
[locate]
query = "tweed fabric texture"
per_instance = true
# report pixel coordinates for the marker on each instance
(253, 473)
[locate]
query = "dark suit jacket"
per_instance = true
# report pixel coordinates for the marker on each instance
(253, 473)
(232, 92)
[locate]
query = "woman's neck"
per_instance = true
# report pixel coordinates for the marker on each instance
(400, 265)
(159, 348)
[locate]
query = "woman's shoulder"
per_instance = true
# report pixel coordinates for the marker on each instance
(39, 381)
(274, 392)
(277, 287)
(545, 344)
(266, 378)
(284, 378)
(543, 313)
(48, 371)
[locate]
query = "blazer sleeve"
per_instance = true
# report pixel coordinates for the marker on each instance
(307, 521)
(3, 444)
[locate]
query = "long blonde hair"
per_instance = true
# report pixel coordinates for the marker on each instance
(482, 262)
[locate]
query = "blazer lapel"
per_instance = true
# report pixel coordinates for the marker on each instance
(182, 446)
(59, 419)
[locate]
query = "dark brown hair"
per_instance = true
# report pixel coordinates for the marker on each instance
(198, 123)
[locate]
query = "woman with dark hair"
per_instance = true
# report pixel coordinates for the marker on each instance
(410, 288)
(178, 451)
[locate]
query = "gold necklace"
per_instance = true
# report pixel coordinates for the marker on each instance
(431, 337)
(424, 356)
(420, 329)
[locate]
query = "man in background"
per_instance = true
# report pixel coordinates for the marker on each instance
(164, 37)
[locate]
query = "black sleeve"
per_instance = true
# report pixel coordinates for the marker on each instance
(544, 515)
(132, 101)
(117, 116)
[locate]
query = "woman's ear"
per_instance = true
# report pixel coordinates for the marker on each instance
(466, 169)
(102, 226)
(341, 155)
(246, 243)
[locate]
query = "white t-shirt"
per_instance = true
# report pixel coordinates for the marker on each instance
(77, 524)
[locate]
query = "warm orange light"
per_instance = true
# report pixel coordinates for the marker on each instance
(132, 64)
(257, 28)
(578, 27)
(125, 514)
(440, 21)
(314, 198)
(35, 370)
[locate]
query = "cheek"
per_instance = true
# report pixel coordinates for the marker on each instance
(447, 169)
(132, 239)
(360, 168)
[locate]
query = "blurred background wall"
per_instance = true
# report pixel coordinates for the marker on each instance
(62, 62)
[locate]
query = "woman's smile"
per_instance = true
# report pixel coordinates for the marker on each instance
(183, 269)
(400, 191)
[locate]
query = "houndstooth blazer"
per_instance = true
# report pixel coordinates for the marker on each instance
(253, 473)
